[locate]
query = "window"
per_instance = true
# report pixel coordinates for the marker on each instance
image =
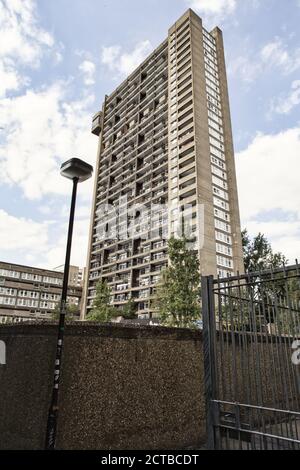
(185, 124)
(213, 93)
(186, 152)
(211, 77)
(8, 273)
(222, 215)
(216, 118)
(188, 81)
(182, 28)
(188, 194)
(212, 85)
(187, 163)
(188, 70)
(185, 97)
(220, 203)
(183, 45)
(50, 296)
(47, 305)
(52, 280)
(219, 182)
(222, 226)
(185, 106)
(224, 238)
(184, 66)
(8, 291)
(216, 135)
(184, 90)
(220, 193)
(216, 143)
(186, 173)
(27, 303)
(224, 249)
(31, 277)
(215, 125)
(218, 172)
(28, 294)
(224, 274)
(7, 301)
(226, 262)
(182, 53)
(217, 153)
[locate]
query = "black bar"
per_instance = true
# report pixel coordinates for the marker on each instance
(54, 407)
(258, 274)
(209, 339)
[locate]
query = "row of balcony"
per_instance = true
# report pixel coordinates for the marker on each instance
(137, 123)
(127, 147)
(137, 141)
(137, 109)
(128, 162)
(132, 189)
(152, 101)
(125, 96)
(128, 266)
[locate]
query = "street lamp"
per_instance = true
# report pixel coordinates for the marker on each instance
(77, 171)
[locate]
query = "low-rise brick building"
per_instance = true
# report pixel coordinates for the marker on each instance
(28, 293)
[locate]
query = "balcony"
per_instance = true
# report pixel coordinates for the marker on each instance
(97, 123)
(121, 287)
(144, 283)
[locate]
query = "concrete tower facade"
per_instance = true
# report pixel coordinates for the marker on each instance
(165, 151)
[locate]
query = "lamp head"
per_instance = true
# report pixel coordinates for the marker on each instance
(76, 168)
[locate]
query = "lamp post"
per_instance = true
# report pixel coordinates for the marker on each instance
(77, 171)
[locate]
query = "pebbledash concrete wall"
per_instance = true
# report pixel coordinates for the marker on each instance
(122, 387)
(128, 387)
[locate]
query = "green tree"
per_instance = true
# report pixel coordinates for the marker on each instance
(102, 311)
(71, 315)
(267, 288)
(259, 255)
(178, 295)
(129, 310)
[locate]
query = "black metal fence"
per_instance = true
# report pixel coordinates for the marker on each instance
(252, 360)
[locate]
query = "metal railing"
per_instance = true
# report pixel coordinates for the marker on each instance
(252, 365)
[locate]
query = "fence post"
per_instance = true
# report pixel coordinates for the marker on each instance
(2, 353)
(209, 344)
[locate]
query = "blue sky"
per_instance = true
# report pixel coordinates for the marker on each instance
(58, 58)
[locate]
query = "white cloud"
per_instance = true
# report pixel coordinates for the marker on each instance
(110, 55)
(41, 244)
(41, 129)
(10, 79)
(278, 54)
(268, 179)
(22, 43)
(82, 212)
(284, 236)
(247, 69)
(20, 36)
(88, 69)
(20, 234)
(55, 253)
(125, 62)
(213, 7)
(214, 11)
(58, 57)
(286, 103)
